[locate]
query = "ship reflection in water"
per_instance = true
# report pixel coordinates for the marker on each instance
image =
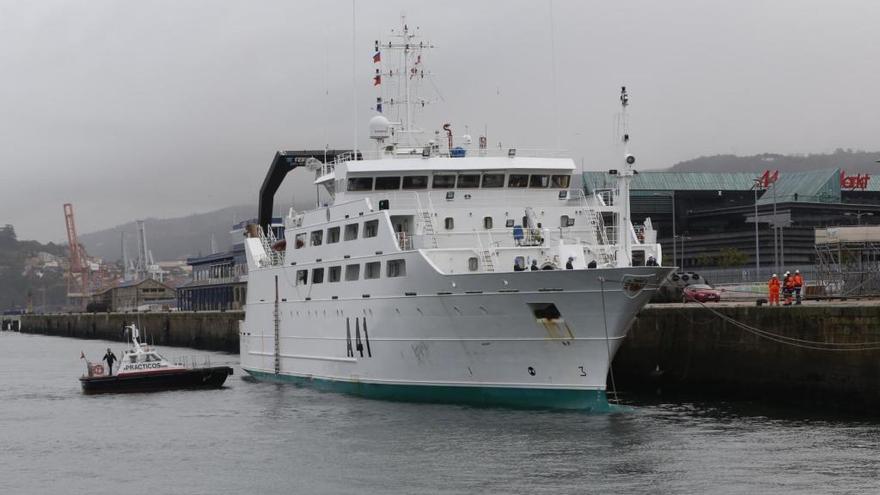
(264, 438)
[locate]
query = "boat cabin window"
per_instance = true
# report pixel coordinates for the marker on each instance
(387, 183)
(396, 268)
(518, 180)
(444, 181)
(360, 184)
(449, 222)
(351, 232)
(318, 276)
(473, 264)
(153, 357)
(334, 274)
(317, 237)
(560, 181)
(372, 269)
(332, 235)
(415, 182)
(371, 228)
(468, 181)
(539, 181)
(487, 223)
(300, 240)
(493, 180)
(132, 359)
(302, 277)
(352, 272)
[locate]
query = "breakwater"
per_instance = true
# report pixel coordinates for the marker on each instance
(209, 330)
(671, 348)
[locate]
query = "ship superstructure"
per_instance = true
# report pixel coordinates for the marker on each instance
(443, 271)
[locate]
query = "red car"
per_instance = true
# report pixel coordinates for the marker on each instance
(701, 292)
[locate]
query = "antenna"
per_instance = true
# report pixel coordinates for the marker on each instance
(553, 72)
(624, 224)
(354, 76)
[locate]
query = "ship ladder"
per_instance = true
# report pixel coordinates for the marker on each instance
(487, 261)
(429, 227)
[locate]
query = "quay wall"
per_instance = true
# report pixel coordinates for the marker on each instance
(671, 348)
(209, 330)
(685, 348)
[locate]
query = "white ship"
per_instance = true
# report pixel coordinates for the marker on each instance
(444, 271)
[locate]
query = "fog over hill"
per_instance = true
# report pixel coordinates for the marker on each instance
(851, 161)
(177, 238)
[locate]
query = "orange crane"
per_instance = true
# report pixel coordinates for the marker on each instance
(78, 284)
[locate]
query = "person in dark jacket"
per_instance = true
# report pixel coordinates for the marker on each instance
(568, 264)
(534, 266)
(110, 358)
(591, 264)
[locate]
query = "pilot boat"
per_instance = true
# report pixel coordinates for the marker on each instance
(143, 369)
(444, 271)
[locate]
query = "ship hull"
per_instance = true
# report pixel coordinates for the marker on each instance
(479, 345)
(199, 378)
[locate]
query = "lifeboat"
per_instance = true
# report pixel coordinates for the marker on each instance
(142, 369)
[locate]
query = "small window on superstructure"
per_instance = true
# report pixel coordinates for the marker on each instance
(487, 223)
(473, 264)
(300, 240)
(395, 268)
(518, 180)
(387, 183)
(415, 182)
(539, 181)
(449, 222)
(468, 181)
(360, 184)
(317, 237)
(352, 272)
(493, 180)
(371, 228)
(332, 235)
(372, 269)
(444, 182)
(334, 274)
(563, 220)
(351, 232)
(560, 181)
(302, 277)
(317, 275)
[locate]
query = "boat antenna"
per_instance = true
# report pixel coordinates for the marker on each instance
(354, 76)
(553, 72)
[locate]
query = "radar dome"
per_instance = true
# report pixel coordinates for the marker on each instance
(380, 128)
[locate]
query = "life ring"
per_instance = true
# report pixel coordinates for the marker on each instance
(98, 369)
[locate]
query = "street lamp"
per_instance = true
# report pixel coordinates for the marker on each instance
(757, 186)
(859, 215)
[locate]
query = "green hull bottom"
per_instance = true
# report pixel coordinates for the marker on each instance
(522, 398)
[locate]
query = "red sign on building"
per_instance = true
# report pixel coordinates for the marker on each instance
(853, 182)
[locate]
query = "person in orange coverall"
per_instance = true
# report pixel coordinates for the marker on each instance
(773, 286)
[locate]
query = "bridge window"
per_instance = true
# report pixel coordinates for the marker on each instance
(334, 274)
(300, 240)
(360, 184)
(352, 272)
(387, 183)
(493, 180)
(302, 277)
(332, 235)
(396, 268)
(539, 181)
(415, 182)
(351, 232)
(372, 269)
(317, 237)
(318, 276)
(518, 180)
(487, 223)
(444, 181)
(449, 222)
(468, 181)
(560, 181)
(371, 228)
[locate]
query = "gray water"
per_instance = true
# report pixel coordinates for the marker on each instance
(260, 438)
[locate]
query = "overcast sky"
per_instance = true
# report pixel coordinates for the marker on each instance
(132, 109)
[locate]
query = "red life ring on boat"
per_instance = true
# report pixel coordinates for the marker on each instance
(98, 369)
